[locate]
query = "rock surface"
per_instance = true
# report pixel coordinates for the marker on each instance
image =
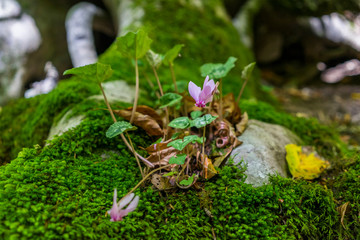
(263, 151)
(115, 91)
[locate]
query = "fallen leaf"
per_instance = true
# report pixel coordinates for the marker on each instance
(163, 156)
(355, 96)
(240, 126)
(304, 162)
(161, 183)
(342, 211)
(209, 169)
(231, 110)
(144, 117)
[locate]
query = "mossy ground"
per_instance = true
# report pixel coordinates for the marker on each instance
(63, 190)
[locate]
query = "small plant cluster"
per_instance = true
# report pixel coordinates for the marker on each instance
(197, 132)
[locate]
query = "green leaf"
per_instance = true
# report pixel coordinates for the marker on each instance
(169, 99)
(134, 45)
(195, 114)
(246, 73)
(189, 181)
(180, 122)
(96, 72)
(119, 128)
(179, 159)
(169, 174)
(154, 59)
(175, 135)
(203, 121)
(217, 70)
(180, 144)
(172, 54)
(157, 141)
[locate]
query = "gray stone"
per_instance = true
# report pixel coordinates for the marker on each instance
(116, 91)
(263, 151)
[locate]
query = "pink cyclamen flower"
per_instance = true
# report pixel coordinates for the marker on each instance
(117, 212)
(204, 96)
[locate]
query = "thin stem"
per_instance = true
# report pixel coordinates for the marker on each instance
(151, 85)
(221, 103)
(148, 175)
(241, 91)
(158, 81)
(203, 146)
(173, 77)
(107, 103)
(122, 135)
(136, 91)
(137, 159)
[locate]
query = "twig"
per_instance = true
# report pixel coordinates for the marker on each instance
(148, 175)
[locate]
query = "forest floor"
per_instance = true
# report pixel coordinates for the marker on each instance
(334, 105)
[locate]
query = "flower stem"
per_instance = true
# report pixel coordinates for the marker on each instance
(241, 91)
(221, 103)
(173, 77)
(162, 94)
(203, 146)
(158, 81)
(136, 92)
(122, 135)
(137, 159)
(147, 176)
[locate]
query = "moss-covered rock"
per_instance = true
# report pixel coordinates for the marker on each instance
(63, 190)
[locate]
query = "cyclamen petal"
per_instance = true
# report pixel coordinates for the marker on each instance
(202, 97)
(194, 91)
(117, 212)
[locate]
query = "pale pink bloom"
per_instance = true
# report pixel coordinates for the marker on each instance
(204, 96)
(117, 212)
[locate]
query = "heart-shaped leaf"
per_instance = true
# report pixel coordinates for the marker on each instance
(170, 99)
(172, 54)
(179, 159)
(189, 181)
(246, 73)
(217, 70)
(202, 121)
(96, 72)
(195, 114)
(119, 128)
(134, 45)
(180, 122)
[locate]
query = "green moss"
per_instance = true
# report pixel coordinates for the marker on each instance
(64, 190)
(346, 189)
(208, 36)
(27, 122)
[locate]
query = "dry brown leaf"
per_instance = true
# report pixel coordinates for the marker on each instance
(163, 156)
(145, 121)
(209, 169)
(157, 147)
(240, 126)
(160, 182)
(231, 110)
(342, 211)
